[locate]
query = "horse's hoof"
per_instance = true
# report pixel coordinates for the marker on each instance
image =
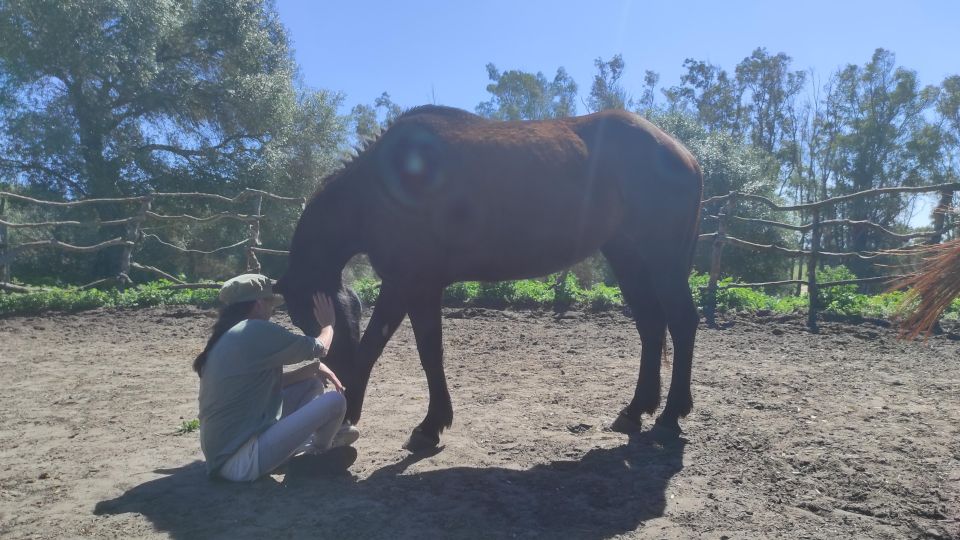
(625, 424)
(667, 427)
(421, 442)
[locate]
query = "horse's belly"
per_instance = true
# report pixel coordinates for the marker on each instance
(506, 242)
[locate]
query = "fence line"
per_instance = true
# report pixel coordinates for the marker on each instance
(951, 187)
(814, 254)
(134, 235)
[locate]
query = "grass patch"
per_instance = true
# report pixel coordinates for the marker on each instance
(188, 426)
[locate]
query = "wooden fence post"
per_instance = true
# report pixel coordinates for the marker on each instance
(4, 243)
(716, 254)
(939, 216)
(812, 288)
(799, 265)
(132, 238)
(253, 264)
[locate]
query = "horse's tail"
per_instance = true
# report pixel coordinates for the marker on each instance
(934, 288)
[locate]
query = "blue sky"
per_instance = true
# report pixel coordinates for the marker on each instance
(431, 51)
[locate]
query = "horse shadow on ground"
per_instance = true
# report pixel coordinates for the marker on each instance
(605, 493)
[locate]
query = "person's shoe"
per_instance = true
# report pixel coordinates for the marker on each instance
(333, 461)
(346, 435)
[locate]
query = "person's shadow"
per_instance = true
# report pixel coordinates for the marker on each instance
(606, 492)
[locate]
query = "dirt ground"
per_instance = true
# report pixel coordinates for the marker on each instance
(845, 434)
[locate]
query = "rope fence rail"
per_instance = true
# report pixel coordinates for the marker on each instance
(136, 235)
(720, 239)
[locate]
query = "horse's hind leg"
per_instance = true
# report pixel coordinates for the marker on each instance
(672, 288)
(425, 317)
(637, 288)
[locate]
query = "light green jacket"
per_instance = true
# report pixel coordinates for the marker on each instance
(240, 385)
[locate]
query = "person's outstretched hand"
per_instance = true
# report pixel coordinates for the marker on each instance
(323, 310)
(328, 374)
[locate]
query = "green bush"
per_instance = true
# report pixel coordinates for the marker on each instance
(460, 294)
(741, 299)
(367, 289)
(602, 297)
(531, 293)
(523, 294)
(494, 295)
(841, 299)
(567, 293)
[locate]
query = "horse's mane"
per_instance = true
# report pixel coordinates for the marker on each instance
(365, 144)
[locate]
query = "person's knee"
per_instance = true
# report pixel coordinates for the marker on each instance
(336, 403)
(341, 402)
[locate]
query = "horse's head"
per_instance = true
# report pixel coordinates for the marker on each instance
(298, 296)
(319, 250)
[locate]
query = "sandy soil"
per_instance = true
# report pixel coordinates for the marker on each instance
(849, 433)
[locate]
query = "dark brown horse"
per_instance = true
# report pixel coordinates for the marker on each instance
(446, 196)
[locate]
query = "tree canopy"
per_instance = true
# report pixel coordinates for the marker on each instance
(115, 97)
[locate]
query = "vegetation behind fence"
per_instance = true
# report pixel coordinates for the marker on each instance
(143, 249)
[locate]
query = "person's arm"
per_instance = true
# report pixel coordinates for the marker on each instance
(323, 311)
(308, 371)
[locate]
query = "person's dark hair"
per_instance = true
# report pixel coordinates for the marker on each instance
(229, 316)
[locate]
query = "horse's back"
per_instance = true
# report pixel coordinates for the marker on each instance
(542, 194)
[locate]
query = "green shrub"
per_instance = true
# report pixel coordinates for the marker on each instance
(953, 311)
(567, 293)
(741, 299)
(494, 295)
(531, 293)
(72, 299)
(368, 289)
(789, 304)
(460, 294)
(602, 297)
(841, 299)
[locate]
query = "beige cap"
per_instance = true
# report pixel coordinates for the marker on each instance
(247, 288)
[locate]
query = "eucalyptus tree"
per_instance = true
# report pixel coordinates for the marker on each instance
(519, 95)
(606, 92)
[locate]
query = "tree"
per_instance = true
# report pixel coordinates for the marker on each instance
(771, 89)
(365, 118)
(710, 94)
(728, 165)
(880, 113)
(116, 97)
(104, 98)
(606, 91)
(648, 100)
(518, 95)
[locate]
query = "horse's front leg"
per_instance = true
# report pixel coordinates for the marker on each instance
(425, 317)
(388, 313)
